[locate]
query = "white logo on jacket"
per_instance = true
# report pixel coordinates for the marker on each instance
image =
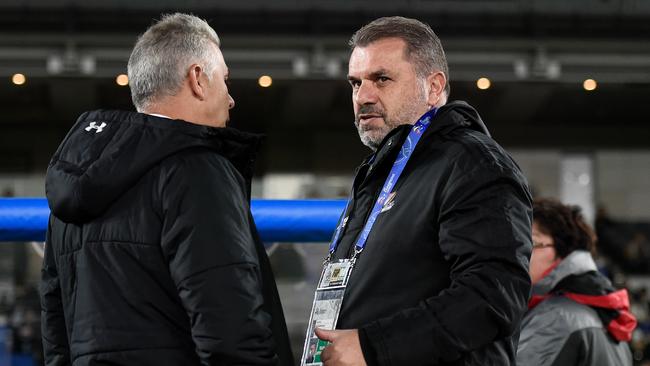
(93, 126)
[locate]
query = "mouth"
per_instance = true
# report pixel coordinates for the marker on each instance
(368, 118)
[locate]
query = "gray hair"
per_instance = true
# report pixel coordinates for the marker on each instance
(423, 47)
(161, 56)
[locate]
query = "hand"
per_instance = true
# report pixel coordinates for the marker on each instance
(344, 348)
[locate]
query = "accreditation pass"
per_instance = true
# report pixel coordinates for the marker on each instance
(326, 307)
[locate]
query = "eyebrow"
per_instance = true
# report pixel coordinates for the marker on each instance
(372, 75)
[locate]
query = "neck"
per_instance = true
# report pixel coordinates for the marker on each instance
(442, 101)
(171, 108)
(177, 107)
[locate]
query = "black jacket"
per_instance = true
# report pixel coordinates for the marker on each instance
(443, 279)
(576, 318)
(152, 256)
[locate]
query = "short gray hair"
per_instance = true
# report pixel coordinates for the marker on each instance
(161, 56)
(423, 47)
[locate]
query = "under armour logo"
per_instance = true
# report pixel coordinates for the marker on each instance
(93, 126)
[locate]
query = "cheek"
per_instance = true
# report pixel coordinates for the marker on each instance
(401, 97)
(542, 259)
(225, 98)
(537, 266)
(355, 105)
(534, 259)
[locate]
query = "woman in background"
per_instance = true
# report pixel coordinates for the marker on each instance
(575, 316)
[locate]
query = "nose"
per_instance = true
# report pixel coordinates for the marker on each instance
(367, 93)
(231, 102)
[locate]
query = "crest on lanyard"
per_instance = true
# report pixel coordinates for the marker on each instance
(390, 201)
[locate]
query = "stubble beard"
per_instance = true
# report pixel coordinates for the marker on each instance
(406, 115)
(373, 136)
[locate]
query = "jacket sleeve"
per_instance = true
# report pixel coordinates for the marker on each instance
(484, 224)
(53, 329)
(208, 244)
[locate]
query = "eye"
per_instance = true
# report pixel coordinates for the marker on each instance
(382, 79)
(355, 83)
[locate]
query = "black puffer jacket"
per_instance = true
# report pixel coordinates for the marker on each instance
(152, 257)
(443, 279)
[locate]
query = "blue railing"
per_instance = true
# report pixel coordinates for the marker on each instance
(25, 219)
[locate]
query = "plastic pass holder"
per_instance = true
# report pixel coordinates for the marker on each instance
(326, 307)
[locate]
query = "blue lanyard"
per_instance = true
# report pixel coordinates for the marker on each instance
(398, 167)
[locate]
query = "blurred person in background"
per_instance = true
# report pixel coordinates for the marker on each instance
(575, 315)
(443, 279)
(152, 256)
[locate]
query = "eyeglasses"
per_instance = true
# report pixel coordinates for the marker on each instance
(541, 245)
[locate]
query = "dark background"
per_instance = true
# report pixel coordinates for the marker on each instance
(537, 53)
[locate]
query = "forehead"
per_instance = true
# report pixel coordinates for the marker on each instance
(218, 58)
(539, 229)
(386, 54)
(217, 54)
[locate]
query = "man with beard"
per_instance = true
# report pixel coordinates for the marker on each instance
(439, 218)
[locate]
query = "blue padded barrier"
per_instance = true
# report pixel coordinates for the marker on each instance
(25, 219)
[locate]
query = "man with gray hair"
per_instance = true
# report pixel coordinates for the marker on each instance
(435, 238)
(152, 256)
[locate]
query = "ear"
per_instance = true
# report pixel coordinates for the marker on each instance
(196, 80)
(436, 81)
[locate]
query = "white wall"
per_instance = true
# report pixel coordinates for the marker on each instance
(623, 183)
(621, 179)
(542, 169)
(23, 185)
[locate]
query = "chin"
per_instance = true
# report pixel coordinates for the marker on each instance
(221, 122)
(370, 142)
(225, 120)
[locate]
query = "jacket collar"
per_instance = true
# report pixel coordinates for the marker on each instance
(239, 147)
(451, 116)
(576, 263)
(595, 291)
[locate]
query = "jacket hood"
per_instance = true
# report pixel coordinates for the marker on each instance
(106, 152)
(576, 263)
(458, 113)
(577, 278)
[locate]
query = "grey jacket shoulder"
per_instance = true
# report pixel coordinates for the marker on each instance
(557, 323)
(546, 328)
